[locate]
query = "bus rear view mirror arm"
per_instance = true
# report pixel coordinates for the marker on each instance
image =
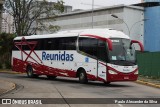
(139, 43)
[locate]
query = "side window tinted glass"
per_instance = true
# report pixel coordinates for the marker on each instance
(88, 45)
(102, 50)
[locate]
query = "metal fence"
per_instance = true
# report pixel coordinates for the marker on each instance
(149, 64)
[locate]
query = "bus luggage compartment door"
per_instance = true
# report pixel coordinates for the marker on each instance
(102, 71)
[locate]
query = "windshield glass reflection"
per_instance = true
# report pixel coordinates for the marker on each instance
(123, 52)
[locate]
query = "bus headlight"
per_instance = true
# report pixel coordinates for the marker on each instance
(136, 72)
(112, 72)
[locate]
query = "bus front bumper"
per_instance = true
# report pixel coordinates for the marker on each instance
(122, 77)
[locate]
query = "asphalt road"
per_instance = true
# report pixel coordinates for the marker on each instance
(70, 88)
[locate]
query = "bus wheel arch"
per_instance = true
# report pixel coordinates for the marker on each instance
(81, 73)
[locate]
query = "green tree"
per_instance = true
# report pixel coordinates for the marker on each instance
(27, 12)
(6, 44)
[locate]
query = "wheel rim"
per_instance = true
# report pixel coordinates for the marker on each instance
(82, 76)
(29, 72)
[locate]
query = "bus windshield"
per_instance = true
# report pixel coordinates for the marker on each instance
(123, 53)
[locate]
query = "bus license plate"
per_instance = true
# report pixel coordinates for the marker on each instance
(126, 78)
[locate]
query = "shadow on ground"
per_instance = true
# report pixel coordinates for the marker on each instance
(66, 80)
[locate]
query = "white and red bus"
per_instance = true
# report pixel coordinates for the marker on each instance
(90, 54)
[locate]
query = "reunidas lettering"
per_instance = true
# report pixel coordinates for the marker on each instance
(59, 57)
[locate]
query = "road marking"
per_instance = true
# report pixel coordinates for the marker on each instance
(120, 105)
(62, 96)
(147, 83)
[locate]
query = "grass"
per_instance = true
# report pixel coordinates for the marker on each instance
(155, 80)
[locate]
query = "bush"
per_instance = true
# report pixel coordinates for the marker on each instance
(6, 44)
(1, 66)
(7, 65)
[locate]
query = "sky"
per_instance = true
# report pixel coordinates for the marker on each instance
(87, 4)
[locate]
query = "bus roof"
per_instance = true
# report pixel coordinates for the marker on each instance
(101, 32)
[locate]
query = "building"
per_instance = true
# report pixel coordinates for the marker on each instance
(7, 23)
(1, 7)
(49, 5)
(67, 8)
(152, 25)
(130, 20)
(140, 21)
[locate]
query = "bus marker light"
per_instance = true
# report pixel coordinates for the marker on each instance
(136, 72)
(112, 72)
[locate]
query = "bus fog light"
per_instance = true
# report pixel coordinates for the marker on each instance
(112, 72)
(136, 72)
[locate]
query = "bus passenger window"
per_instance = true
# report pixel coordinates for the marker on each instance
(88, 45)
(68, 43)
(102, 50)
(39, 45)
(48, 44)
(71, 43)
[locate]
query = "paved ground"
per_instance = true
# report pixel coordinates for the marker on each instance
(70, 88)
(6, 86)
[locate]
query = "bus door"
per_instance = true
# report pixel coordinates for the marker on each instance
(102, 71)
(101, 60)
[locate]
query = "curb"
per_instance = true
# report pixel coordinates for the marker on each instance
(11, 72)
(147, 83)
(11, 86)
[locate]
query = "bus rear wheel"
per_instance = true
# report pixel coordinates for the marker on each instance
(30, 73)
(83, 77)
(51, 77)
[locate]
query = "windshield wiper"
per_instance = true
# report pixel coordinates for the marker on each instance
(123, 62)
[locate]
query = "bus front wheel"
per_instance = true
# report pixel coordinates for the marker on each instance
(107, 83)
(30, 72)
(83, 77)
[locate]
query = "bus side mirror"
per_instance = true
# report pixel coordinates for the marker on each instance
(109, 42)
(139, 43)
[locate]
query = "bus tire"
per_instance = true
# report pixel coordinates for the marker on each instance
(107, 83)
(30, 73)
(51, 77)
(83, 77)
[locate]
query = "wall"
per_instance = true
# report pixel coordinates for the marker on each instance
(134, 19)
(82, 20)
(148, 64)
(151, 0)
(152, 31)
(101, 19)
